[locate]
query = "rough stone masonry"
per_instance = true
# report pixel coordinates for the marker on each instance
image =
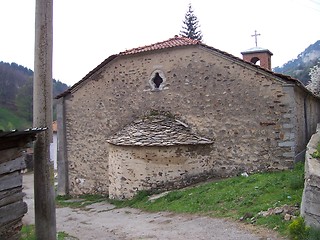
(255, 119)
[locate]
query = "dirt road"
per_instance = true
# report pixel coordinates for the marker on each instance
(103, 221)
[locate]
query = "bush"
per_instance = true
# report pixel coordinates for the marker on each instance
(298, 229)
(316, 154)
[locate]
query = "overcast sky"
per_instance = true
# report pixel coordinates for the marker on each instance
(88, 31)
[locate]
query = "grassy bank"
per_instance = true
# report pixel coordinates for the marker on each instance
(9, 121)
(236, 198)
(239, 198)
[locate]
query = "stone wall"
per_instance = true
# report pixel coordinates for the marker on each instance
(134, 169)
(310, 206)
(250, 113)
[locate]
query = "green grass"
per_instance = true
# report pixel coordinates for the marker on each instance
(28, 233)
(316, 154)
(80, 201)
(233, 198)
(10, 121)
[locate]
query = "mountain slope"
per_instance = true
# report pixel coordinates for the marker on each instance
(300, 67)
(8, 120)
(16, 95)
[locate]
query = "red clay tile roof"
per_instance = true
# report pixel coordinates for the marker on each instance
(177, 41)
(54, 126)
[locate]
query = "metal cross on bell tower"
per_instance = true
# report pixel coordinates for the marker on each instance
(255, 35)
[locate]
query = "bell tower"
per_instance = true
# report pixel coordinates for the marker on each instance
(256, 54)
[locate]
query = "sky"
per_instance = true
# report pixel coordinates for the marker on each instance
(85, 32)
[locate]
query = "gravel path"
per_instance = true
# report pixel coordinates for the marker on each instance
(104, 221)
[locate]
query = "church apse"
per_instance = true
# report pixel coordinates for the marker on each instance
(153, 153)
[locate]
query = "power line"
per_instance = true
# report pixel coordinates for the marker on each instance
(311, 4)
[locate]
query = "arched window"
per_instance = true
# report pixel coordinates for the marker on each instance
(255, 60)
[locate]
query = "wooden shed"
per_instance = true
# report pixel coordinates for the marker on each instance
(12, 207)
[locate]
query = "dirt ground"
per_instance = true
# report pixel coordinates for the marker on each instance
(104, 221)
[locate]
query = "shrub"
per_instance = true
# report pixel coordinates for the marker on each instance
(316, 154)
(298, 229)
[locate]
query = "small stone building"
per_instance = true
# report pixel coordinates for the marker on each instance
(175, 112)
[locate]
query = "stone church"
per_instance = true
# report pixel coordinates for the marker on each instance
(177, 112)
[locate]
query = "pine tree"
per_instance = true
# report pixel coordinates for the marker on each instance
(190, 26)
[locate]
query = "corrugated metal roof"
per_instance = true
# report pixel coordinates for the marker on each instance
(15, 138)
(158, 130)
(15, 133)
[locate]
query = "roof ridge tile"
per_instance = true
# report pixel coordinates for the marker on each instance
(171, 42)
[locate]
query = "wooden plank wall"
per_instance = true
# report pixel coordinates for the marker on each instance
(12, 207)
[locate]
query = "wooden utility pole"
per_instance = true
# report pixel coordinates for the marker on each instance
(45, 214)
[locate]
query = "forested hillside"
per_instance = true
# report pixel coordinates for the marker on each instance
(16, 86)
(16, 95)
(299, 68)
